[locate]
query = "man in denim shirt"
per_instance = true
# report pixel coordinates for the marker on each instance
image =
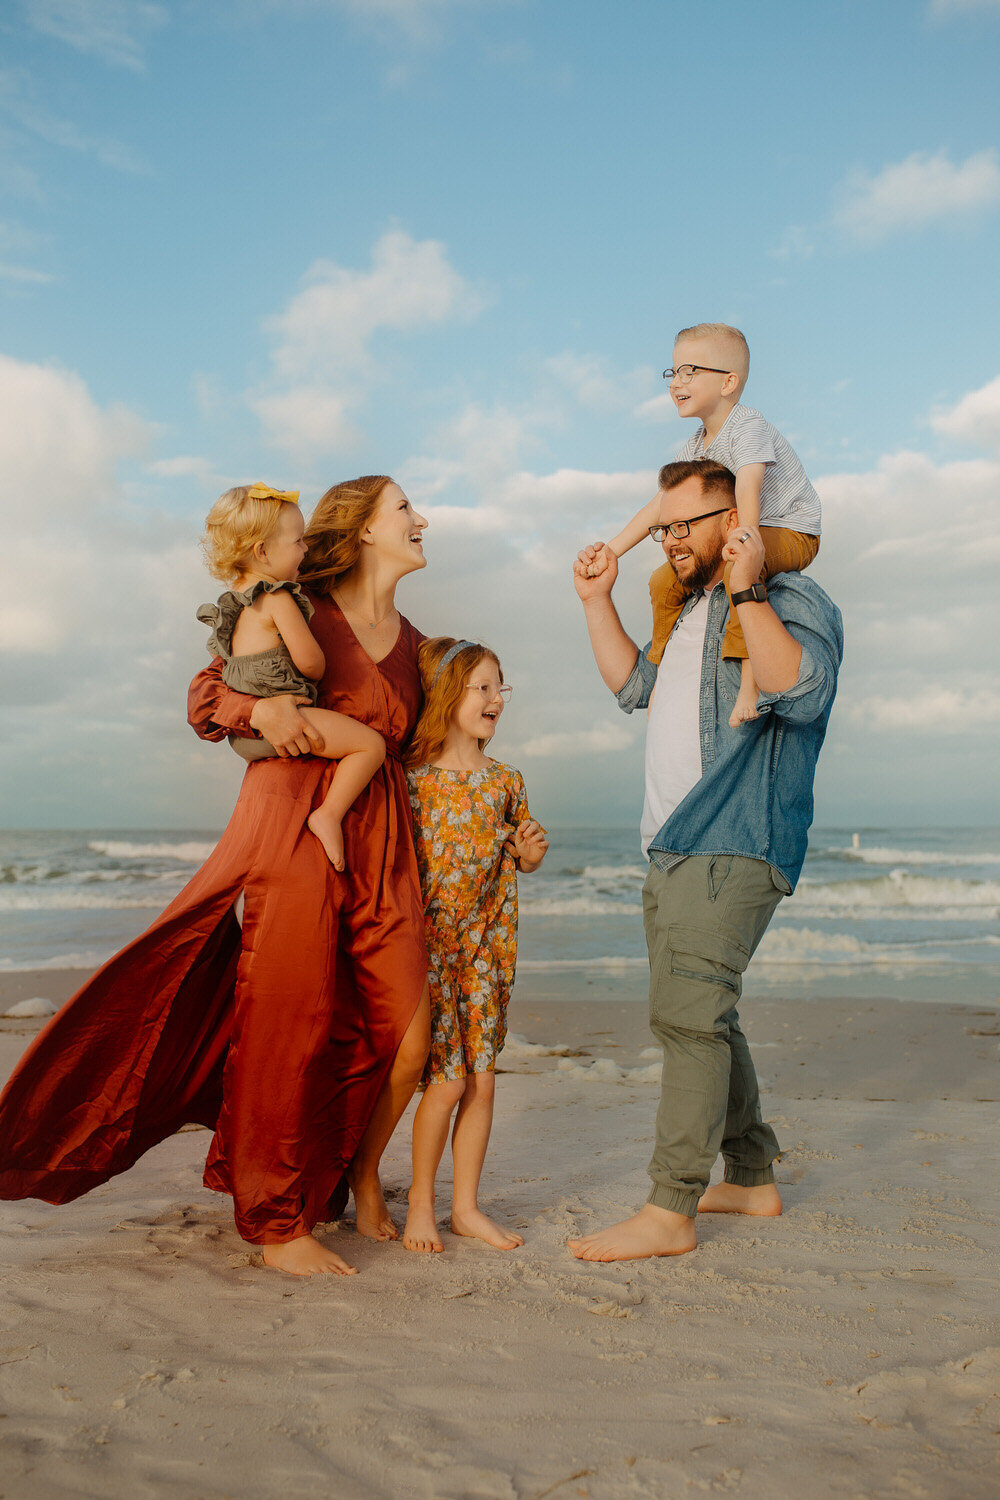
(725, 821)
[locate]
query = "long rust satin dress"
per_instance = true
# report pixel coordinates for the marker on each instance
(280, 1037)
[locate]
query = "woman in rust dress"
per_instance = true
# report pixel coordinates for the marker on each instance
(300, 1038)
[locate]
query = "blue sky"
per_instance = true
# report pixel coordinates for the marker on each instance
(452, 240)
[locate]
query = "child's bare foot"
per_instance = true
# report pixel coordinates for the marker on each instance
(305, 1256)
(420, 1233)
(326, 826)
(728, 1198)
(652, 1231)
(374, 1220)
(746, 699)
(477, 1226)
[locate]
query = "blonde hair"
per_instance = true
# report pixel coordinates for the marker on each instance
(234, 526)
(335, 527)
(442, 693)
(734, 346)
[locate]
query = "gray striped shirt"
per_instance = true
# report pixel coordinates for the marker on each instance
(786, 496)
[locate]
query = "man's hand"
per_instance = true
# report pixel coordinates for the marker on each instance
(280, 722)
(528, 844)
(595, 571)
(745, 550)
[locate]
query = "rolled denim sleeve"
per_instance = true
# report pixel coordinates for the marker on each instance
(637, 688)
(815, 622)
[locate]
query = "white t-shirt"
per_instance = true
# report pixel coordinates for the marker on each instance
(673, 728)
(786, 496)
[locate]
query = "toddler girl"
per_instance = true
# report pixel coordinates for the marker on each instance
(254, 540)
(472, 830)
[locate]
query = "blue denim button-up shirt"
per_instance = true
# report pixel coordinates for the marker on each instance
(755, 796)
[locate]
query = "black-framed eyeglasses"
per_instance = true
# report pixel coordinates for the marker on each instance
(684, 374)
(680, 529)
(488, 691)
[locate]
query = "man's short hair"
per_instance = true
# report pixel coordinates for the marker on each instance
(732, 345)
(715, 477)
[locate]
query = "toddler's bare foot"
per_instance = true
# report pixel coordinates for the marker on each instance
(420, 1233)
(728, 1198)
(305, 1256)
(477, 1226)
(652, 1231)
(326, 827)
(746, 707)
(374, 1220)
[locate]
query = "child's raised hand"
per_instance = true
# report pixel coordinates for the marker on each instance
(528, 844)
(594, 559)
(595, 570)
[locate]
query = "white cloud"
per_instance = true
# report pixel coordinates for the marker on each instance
(974, 419)
(117, 31)
(328, 325)
(60, 446)
(97, 632)
(920, 190)
(938, 708)
(596, 386)
(322, 360)
(657, 409)
(307, 419)
(910, 554)
(599, 739)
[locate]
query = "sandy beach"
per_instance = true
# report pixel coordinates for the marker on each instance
(850, 1348)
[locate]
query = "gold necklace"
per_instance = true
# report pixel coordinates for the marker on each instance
(372, 624)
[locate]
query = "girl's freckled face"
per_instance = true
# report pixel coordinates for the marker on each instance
(481, 705)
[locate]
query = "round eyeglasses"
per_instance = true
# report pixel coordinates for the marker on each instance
(488, 691)
(684, 374)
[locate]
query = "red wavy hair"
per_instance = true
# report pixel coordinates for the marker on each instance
(442, 693)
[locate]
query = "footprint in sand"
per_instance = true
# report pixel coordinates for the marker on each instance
(177, 1231)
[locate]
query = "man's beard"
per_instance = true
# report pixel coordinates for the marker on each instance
(704, 570)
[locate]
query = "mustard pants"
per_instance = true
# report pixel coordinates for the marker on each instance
(784, 552)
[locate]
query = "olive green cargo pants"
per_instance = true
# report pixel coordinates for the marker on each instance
(704, 918)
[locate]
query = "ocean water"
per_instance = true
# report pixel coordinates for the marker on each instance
(913, 914)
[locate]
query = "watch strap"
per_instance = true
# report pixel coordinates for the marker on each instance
(755, 595)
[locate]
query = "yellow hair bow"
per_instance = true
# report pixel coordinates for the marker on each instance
(261, 491)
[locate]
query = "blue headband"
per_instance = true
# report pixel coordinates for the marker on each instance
(449, 656)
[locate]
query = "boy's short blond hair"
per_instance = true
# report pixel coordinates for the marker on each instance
(733, 347)
(234, 526)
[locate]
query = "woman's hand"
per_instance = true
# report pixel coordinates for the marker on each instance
(528, 844)
(280, 722)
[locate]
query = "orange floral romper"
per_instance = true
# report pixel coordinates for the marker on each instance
(461, 822)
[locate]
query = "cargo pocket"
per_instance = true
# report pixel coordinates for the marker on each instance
(706, 956)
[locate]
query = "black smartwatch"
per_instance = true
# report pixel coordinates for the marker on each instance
(756, 595)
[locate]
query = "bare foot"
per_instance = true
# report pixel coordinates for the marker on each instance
(746, 707)
(421, 1232)
(728, 1198)
(374, 1219)
(652, 1231)
(477, 1226)
(326, 827)
(305, 1256)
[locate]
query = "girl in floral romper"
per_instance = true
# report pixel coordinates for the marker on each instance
(472, 832)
